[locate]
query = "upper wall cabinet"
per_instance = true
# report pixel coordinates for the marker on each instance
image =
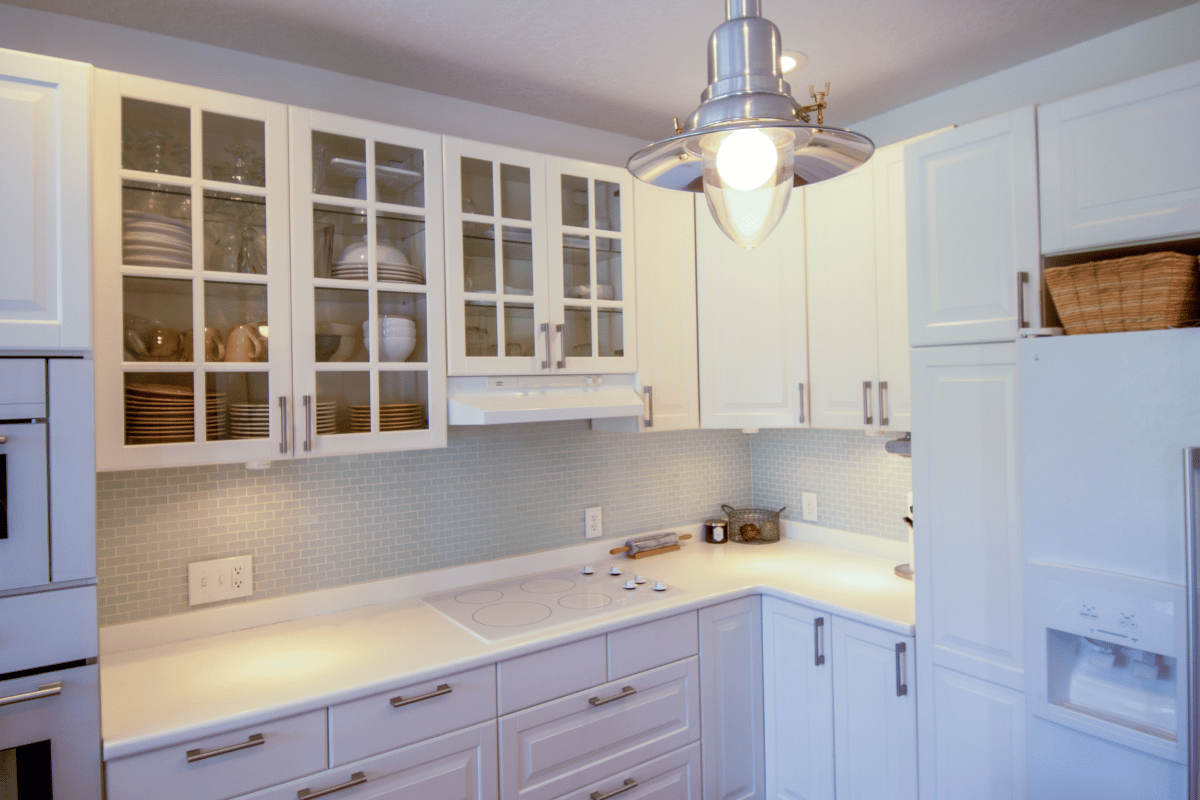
(45, 179)
(1120, 164)
(540, 264)
(973, 251)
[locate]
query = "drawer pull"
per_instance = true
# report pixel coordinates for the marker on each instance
(45, 690)
(357, 779)
(199, 755)
(404, 701)
(629, 783)
(625, 692)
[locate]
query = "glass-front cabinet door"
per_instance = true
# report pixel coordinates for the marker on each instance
(192, 319)
(367, 286)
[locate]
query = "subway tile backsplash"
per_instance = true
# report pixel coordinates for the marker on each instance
(493, 492)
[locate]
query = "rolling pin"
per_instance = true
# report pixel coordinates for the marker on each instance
(646, 544)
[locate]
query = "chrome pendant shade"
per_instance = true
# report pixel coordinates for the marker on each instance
(747, 177)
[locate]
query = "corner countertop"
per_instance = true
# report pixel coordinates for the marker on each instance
(174, 692)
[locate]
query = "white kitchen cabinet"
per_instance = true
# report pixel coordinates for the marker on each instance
(975, 745)
(675, 776)
(45, 180)
(540, 274)
(752, 325)
(972, 221)
(731, 704)
(1119, 164)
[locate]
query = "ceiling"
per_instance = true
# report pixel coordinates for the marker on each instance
(629, 66)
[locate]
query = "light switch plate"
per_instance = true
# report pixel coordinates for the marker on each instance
(220, 579)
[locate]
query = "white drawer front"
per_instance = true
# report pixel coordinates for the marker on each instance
(653, 644)
(27, 641)
(290, 748)
(545, 675)
(675, 776)
(557, 747)
(408, 714)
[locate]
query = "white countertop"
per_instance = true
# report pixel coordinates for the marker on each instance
(181, 690)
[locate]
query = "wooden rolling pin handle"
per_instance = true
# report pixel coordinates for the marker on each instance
(627, 548)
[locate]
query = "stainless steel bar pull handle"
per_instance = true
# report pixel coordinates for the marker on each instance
(629, 783)
(883, 403)
(546, 330)
(199, 755)
(308, 442)
(801, 420)
(1022, 279)
(283, 428)
(648, 392)
(3, 440)
(901, 671)
(867, 418)
(818, 641)
(357, 779)
(45, 690)
(562, 344)
(442, 689)
(625, 692)
(1191, 483)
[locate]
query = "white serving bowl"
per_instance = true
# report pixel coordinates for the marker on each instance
(384, 253)
(398, 349)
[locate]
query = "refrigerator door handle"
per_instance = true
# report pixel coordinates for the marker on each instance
(1191, 482)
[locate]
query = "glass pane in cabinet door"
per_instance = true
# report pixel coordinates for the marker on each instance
(156, 225)
(339, 165)
(235, 233)
(157, 314)
(236, 328)
(577, 335)
(339, 243)
(234, 149)
(402, 325)
(481, 329)
(159, 408)
(518, 261)
(610, 332)
(400, 248)
(608, 206)
(479, 257)
(574, 201)
(518, 330)
(399, 175)
(155, 137)
(403, 401)
(477, 187)
(342, 404)
(608, 269)
(237, 405)
(516, 198)
(344, 313)
(577, 266)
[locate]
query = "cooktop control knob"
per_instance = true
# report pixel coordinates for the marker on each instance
(588, 571)
(638, 579)
(630, 585)
(614, 571)
(659, 586)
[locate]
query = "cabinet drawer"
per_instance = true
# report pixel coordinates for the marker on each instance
(545, 675)
(675, 776)
(564, 745)
(653, 644)
(408, 714)
(27, 641)
(290, 748)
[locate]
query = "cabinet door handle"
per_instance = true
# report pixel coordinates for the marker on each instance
(801, 404)
(199, 755)
(442, 689)
(883, 403)
(562, 343)
(901, 671)
(307, 423)
(867, 420)
(1022, 279)
(648, 391)
(45, 690)
(546, 330)
(625, 692)
(283, 428)
(357, 779)
(818, 641)
(629, 783)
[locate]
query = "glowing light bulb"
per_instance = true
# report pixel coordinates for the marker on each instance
(747, 181)
(747, 159)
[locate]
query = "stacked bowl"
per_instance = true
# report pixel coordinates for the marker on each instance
(397, 337)
(390, 265)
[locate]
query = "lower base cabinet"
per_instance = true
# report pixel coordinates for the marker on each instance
(675, 776)
(980, 736)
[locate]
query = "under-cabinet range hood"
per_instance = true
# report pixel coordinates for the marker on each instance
(550, 398)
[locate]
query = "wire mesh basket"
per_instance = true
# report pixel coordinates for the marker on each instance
(753, 525)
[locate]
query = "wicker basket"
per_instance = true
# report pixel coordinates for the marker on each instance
(753, 525)
(1138, 293)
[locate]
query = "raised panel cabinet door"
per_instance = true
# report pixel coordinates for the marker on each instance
(45, 180)
(875, 713)
(1094, 191)
(752, 330)
(675, 776)
(894, 388)
(973, 231)
(798, 669)
(731, 699)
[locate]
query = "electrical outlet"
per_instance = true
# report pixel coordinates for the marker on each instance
(808, 506)
(220, 579)
(593, 523)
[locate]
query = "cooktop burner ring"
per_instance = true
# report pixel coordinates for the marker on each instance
(477, 597)
(586, 600)
(547, 585)
(511, 615)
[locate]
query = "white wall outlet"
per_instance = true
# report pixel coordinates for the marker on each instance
(220, 579)
(593, 523)
(808, 506)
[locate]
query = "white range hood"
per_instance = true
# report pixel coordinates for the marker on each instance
(509, 399)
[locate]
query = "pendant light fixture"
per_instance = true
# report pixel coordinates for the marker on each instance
(749, 142)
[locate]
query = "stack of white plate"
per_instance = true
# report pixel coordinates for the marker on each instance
(392, 417)
(327, 417)
(249, 420)
(156, 240)
(390, 271)
(160, 414)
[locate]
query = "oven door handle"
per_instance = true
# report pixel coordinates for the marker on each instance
(45, 690)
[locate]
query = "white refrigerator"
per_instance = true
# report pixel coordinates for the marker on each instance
(1108, 491)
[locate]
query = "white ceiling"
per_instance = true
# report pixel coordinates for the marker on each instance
(629, 66)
